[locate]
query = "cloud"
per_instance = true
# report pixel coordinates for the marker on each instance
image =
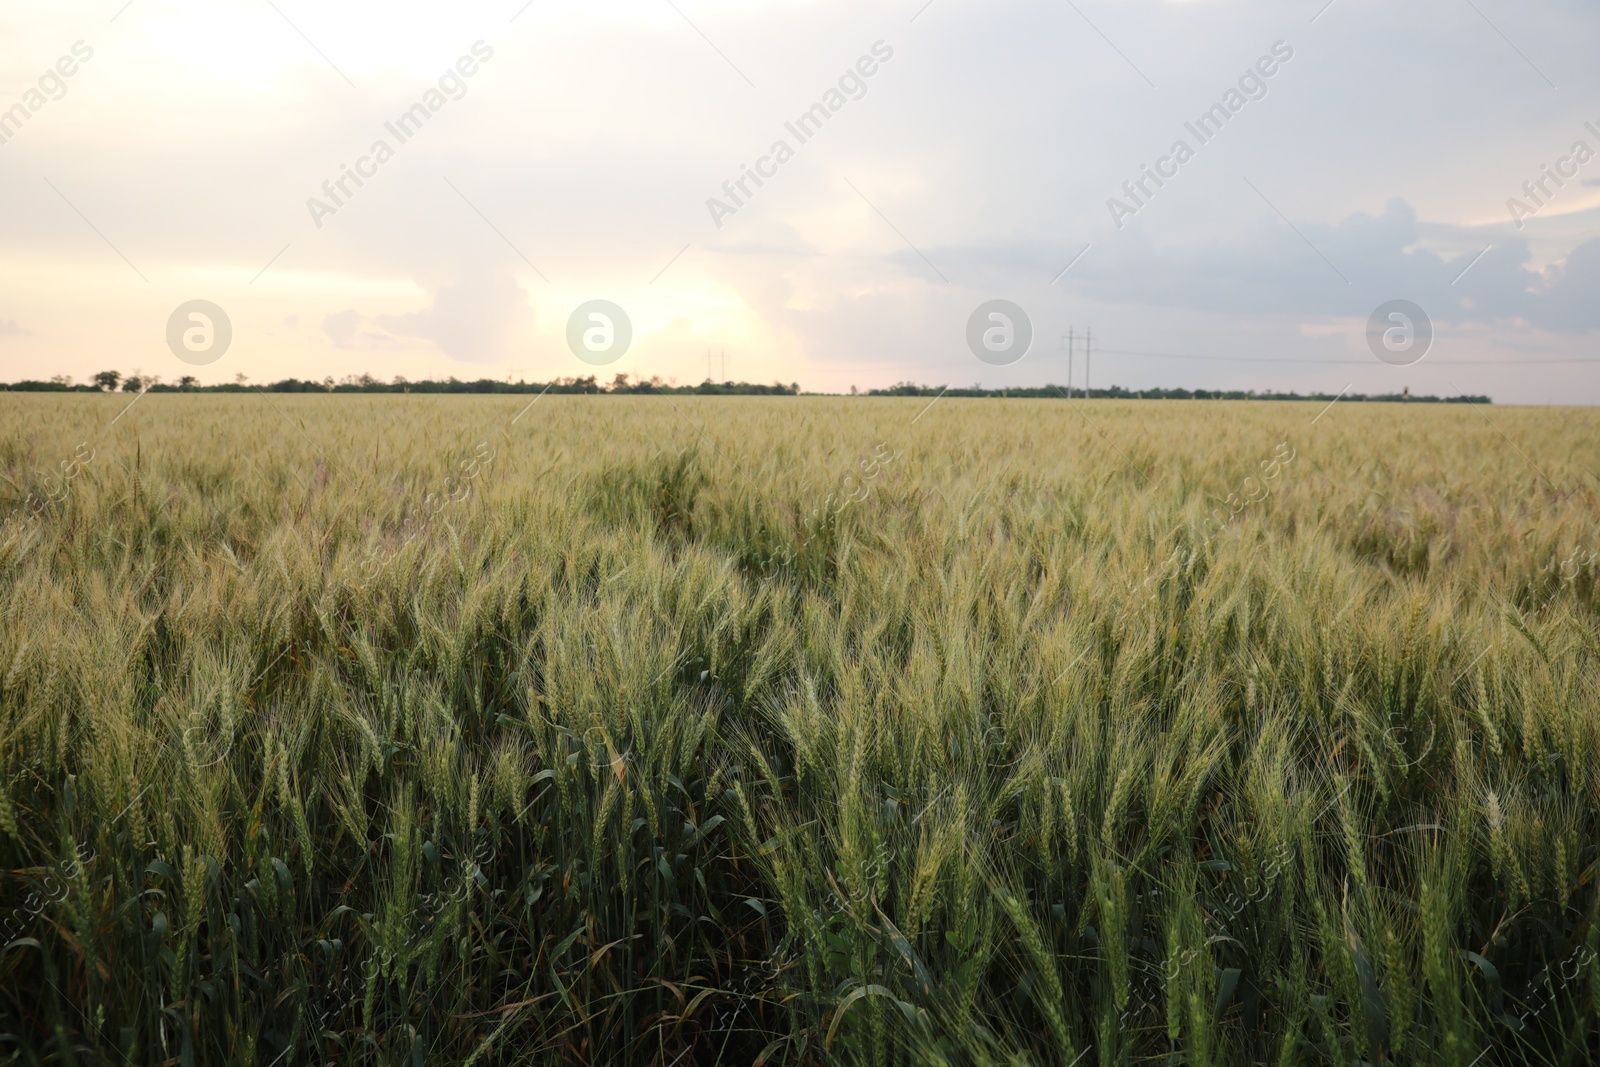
(9, 328)
(480, 319)
(1338, 270)
(1566, 301)
(341, 328)
(344, 329)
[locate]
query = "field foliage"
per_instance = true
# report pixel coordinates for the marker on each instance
(670, 730)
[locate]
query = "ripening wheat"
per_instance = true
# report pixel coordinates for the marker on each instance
(670, 730)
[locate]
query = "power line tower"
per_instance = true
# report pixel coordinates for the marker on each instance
(1067, 343)
(1088, 350)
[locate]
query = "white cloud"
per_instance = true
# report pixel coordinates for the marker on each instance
(480, 319)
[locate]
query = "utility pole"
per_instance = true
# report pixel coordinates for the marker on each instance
(1088, 350)
(1069, 339)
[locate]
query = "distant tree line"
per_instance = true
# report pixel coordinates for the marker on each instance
(111, 381)
(1116, 392)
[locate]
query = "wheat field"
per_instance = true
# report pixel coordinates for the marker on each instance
(669, 730)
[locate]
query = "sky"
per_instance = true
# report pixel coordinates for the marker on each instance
(959, 152)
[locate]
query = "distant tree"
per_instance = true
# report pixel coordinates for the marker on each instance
(63, 380)
(132, 385)
(107, 380)
(187, 382)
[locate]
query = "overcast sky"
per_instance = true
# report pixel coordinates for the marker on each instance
(178, 161)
